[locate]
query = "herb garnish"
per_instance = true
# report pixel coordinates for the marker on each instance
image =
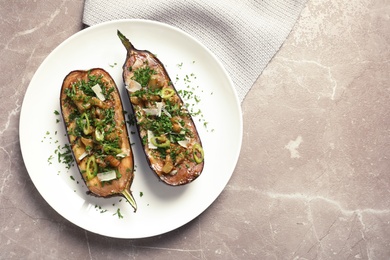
(118, 213)
(143, 75)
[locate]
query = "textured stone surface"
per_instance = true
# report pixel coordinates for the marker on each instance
(312, 181)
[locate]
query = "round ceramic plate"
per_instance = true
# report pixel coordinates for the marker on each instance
(161, 208)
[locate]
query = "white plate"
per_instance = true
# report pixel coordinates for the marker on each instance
(161, 208)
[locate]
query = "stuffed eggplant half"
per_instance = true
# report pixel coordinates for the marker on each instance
(170, 139)
(93, 114)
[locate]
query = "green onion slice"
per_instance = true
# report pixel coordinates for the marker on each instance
(167, 93)
(86, 124)
(91, 169)
(160, 142)
(198, 153)
(99, 134)
(108, 149)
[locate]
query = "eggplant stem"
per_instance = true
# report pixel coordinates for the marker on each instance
(125, 41)
(129, 198)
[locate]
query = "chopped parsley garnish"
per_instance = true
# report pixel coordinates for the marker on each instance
(143, 75)
(118, 213)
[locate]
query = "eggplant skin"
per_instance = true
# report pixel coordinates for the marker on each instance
(97, 132)
(169, 136)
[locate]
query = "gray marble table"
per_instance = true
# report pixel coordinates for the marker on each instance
(313, 177)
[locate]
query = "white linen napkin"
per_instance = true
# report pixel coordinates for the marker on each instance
(243, 34)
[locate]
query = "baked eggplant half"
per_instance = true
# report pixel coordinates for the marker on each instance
(169, 136)
(93, 114)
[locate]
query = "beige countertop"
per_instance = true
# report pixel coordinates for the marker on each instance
(312, 180)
